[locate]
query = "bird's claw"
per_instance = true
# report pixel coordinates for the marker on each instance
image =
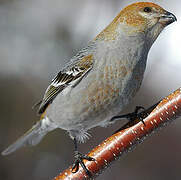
(79, 160)
(134, 115)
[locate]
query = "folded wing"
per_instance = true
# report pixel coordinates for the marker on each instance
(69, 76)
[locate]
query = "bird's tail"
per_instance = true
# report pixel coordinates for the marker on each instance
(31, 137)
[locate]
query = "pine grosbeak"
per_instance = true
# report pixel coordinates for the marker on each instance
(100, 79)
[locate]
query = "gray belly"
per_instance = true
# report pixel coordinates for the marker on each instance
(97, 98)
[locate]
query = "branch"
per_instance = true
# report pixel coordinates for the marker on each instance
(123, 141)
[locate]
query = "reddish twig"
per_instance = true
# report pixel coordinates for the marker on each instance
(113, 147)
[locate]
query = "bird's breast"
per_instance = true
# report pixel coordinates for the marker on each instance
(106, 85)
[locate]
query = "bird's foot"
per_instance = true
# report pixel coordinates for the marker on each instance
(134, 115)
(79, 160)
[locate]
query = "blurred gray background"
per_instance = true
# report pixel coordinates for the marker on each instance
(36, 38)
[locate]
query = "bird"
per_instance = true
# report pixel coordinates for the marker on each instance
(100, 80)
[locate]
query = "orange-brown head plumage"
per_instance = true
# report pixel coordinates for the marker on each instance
(137, 17)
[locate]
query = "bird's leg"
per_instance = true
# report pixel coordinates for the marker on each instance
(132, 116)
(79, 160)
(136, 116)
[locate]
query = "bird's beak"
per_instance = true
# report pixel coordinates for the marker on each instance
(167, 18)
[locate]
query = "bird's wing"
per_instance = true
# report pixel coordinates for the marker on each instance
(71, 75)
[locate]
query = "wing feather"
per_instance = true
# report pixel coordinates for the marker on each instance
(67, 77)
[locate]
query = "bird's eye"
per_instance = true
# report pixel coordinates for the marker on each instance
(147, 9)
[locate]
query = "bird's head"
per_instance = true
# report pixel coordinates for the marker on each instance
(140, 17)
(143, 16)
